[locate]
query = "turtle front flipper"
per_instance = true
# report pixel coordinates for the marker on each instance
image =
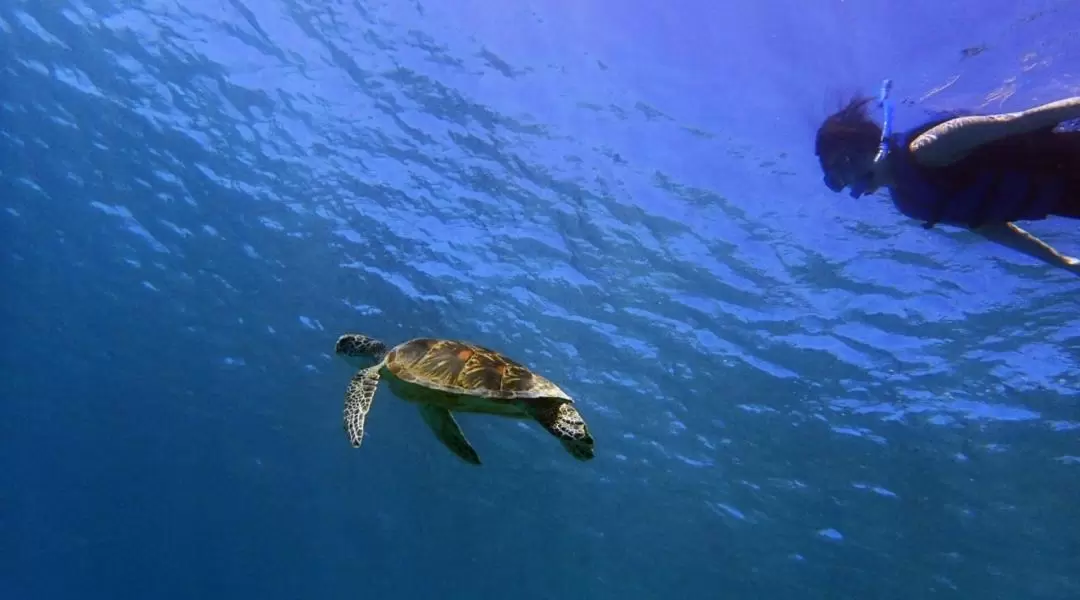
(358, 398)
(446, 428)
(564, 421)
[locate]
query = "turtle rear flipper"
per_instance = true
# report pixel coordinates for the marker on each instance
(563, 421)
(446, 428)
(358, 398)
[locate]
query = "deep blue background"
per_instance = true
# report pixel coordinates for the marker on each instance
(795, 395)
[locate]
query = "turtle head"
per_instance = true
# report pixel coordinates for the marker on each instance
(359, 350)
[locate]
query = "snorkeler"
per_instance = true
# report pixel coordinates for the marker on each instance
(979, 172)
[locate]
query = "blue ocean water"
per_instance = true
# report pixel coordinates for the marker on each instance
(794, 394)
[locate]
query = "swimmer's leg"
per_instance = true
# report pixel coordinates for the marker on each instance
(1015, 238)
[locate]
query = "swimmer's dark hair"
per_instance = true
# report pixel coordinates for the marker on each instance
(849, 130)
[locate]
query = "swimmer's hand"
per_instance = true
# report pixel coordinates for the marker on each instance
(1014, 237)
(1071, 263)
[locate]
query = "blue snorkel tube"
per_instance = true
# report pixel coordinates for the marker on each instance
(885, 103)
(886, 128)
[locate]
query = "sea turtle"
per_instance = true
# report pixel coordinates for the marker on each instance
(442, 376)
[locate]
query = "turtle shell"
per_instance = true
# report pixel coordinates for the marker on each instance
(463, 368)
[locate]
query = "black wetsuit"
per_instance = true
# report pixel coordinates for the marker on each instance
(1020, 178)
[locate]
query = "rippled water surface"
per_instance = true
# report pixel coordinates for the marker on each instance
(794, 394)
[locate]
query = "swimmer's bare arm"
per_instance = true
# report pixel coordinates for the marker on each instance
(955, 138)
(1012, 236)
